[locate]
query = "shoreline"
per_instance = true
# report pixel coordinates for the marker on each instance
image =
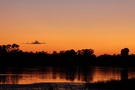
(113, 84)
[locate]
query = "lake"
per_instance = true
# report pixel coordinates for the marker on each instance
(64, 74)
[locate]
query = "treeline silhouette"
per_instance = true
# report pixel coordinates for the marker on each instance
(12, 56)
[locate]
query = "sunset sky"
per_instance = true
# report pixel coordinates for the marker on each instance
(106, 26)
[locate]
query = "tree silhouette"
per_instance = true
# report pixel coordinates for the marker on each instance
(9, 48)
(15, 47)
(87, 52)
(10, 55)
(124, 71)
(3, 49)
(125, 52)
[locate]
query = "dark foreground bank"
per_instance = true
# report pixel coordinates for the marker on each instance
(110, 85)
(46, 86)
(113, 85)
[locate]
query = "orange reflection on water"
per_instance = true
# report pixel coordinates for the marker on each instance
(102, 74)
(80, 75)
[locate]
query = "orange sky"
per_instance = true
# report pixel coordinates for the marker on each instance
(106, 26)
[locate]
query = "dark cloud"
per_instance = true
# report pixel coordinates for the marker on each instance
(36, 42)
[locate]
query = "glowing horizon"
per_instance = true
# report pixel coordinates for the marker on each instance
(105, 26)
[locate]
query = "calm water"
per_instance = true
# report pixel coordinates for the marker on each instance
(64, 74)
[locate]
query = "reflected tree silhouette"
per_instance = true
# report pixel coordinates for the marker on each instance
(87, 74)
(14, 79)
(55, 70)
(70, 73)
(67, 73)
(124, 74)
(2, 79)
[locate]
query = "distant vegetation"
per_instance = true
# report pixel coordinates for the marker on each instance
(12, 56)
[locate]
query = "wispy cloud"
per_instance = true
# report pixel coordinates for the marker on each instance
(36, 42)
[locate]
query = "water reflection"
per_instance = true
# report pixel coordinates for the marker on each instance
(106, 74)
(64, 74)
(124, 74)
(86, 74)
